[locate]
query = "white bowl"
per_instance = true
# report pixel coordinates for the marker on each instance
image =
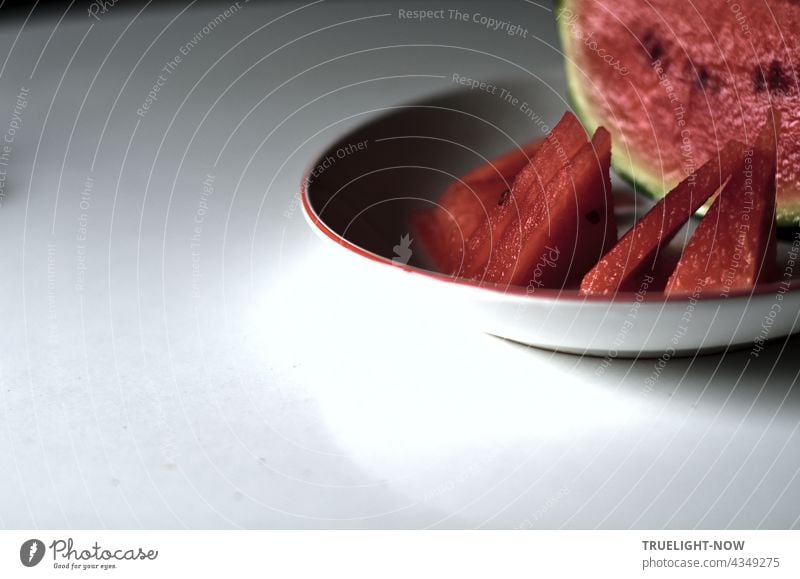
(360, 194)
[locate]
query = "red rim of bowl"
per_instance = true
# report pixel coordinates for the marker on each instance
(517, 291)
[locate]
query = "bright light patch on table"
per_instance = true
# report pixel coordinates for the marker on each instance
(398, 377)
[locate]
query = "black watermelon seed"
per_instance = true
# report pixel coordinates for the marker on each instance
(504, 197)
(653, 46)
(778, 82)
(701, 78)
(593, 217)
(706, 81)
(775, 79)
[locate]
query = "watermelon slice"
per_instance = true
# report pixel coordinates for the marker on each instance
(637, 252)
(673, 81)
(461, 210)
(734, 246)
(558, 148)
(463, 207)
(565, 227)
(507, 165)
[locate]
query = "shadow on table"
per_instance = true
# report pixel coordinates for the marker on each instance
(741, 378)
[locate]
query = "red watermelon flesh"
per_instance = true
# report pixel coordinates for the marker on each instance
(673, 81)
(558, 148)
(507, 165)
(566, 225)
(734, 246)
(637, 252)
(463, 207)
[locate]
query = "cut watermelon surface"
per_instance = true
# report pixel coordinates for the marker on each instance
(507, 165)
(637, 253)
(557, 150)
(464, 205)
(674, 81)
(734, 246)
(565, 224)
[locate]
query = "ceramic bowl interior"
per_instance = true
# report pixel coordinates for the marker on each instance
(363, 189)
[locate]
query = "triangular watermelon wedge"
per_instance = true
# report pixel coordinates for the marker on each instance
(463, 207)
(566, 225)
(734, 246)
(558, 148)
(507, 165)
(636, 253)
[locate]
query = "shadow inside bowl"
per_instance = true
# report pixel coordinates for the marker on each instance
(360, 186)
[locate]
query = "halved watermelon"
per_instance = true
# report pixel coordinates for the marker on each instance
(638, 251)
(673, 81)
(462, 208)
(734, 246)
(565, 225)
(557, 150)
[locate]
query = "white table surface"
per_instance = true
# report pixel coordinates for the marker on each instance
(245, 381)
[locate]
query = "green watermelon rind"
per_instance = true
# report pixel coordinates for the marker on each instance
(788, 214)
